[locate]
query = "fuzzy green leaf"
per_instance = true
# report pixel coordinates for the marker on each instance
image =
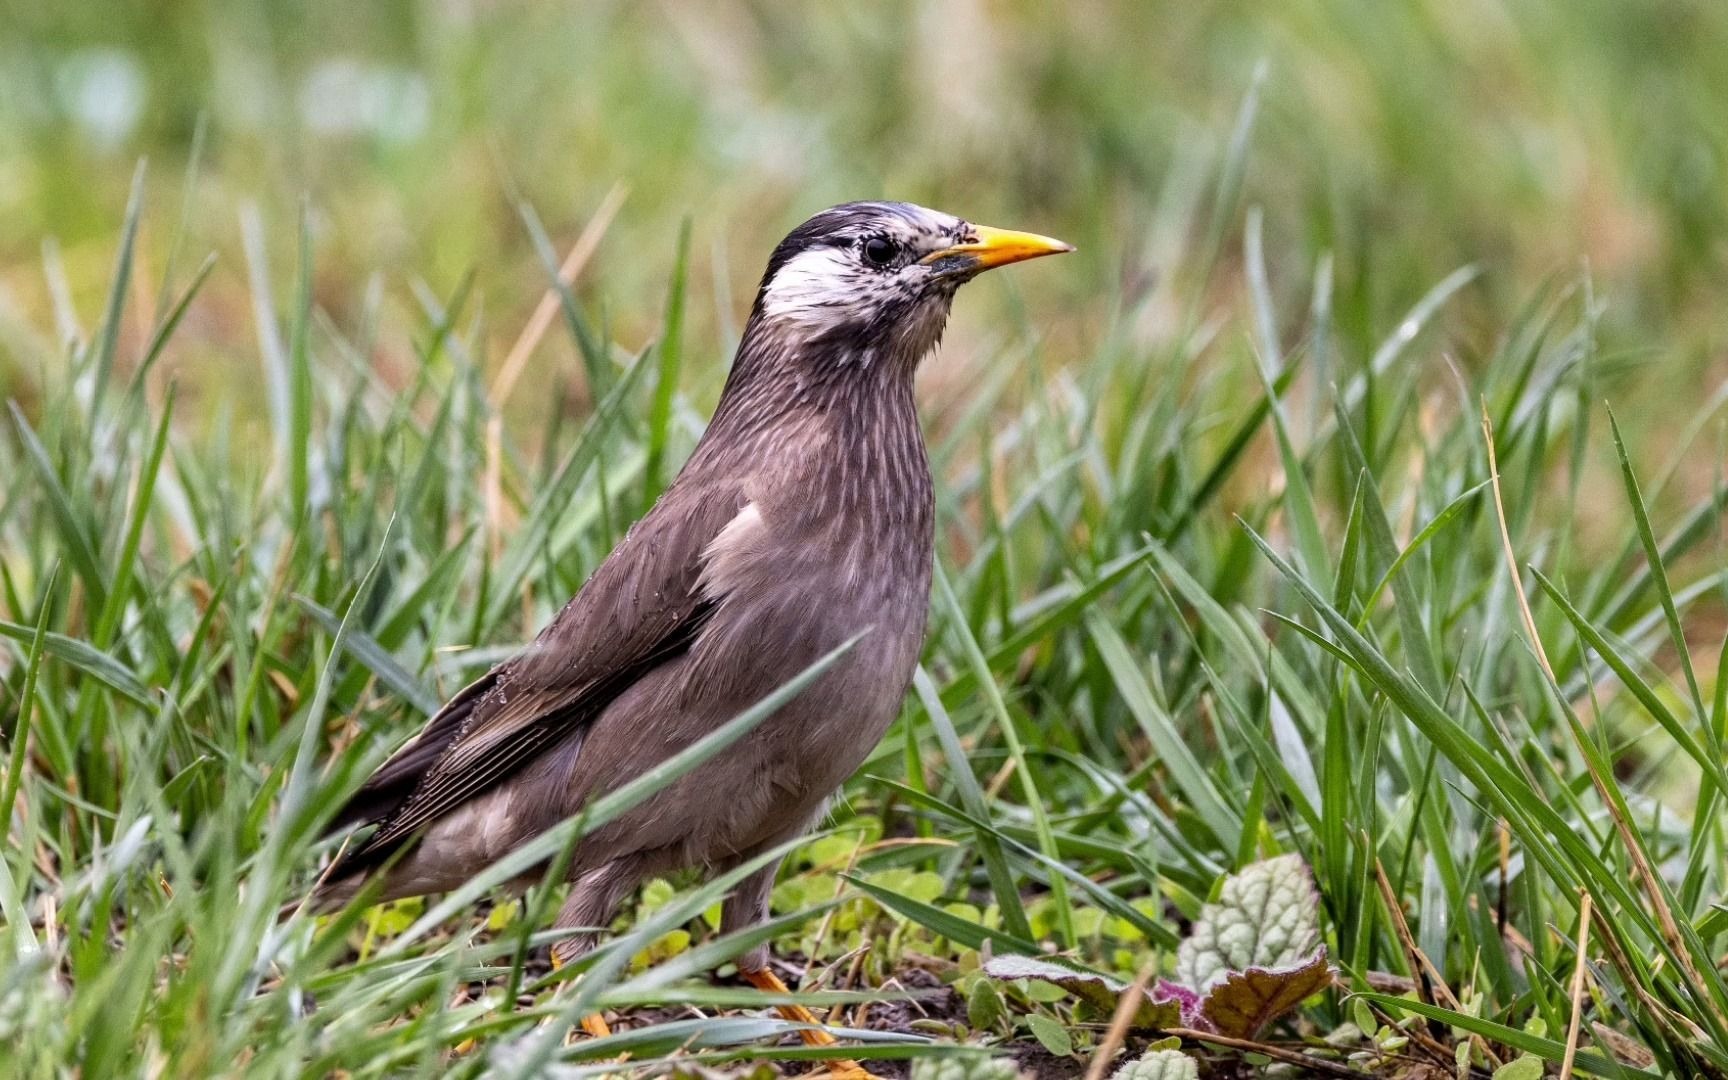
(983, 1005)
(1160, 1065)
(1522, 1067)
(1265, 917)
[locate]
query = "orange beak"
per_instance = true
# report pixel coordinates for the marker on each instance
(993, 248)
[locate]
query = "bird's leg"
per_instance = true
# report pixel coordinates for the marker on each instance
(746, 907)
(770, 983)
(839, 1068)
(593, 898)
(593, 1023)
(596, 1026)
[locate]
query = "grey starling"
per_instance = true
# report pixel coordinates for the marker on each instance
(803, 516)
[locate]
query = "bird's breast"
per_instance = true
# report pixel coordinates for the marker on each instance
(792, 578)
(814, 569)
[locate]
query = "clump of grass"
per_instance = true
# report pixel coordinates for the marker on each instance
(1242, 587)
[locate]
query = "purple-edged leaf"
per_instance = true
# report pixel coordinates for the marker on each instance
(1186, 1000)
(1095, 990)
(1266, 916)
(1100, 992)
(1246, 1001)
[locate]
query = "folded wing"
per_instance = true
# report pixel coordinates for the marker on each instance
(643, 606)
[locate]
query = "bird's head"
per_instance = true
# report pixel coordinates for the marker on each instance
(870, 283)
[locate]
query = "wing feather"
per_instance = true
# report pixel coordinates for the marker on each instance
(644, 605)
(393, 782)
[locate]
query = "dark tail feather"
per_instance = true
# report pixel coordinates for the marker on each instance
(384, 793)
(386, 790)
(335, 887)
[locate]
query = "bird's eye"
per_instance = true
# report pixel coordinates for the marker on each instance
(879, 251)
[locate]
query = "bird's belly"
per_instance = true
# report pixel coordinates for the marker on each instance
(774, 781)
(795, 759)
(816, 740)
(771, 784)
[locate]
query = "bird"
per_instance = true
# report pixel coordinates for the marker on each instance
(803, 518)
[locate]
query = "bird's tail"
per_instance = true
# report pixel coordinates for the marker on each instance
(333, 889)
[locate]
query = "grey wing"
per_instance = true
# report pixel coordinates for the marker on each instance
(643, 606)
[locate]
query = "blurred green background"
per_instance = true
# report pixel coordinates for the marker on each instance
(1405, 139)
(1273, 181)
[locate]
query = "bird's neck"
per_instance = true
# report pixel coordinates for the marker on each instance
(785, 381)
(848, 423)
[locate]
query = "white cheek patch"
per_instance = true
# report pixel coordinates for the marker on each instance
(819, 288)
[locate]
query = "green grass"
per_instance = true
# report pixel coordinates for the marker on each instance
(1241, 508)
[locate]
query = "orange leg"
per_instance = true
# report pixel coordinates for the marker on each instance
(839, 1069)
(596, 1027)
(594, 1024)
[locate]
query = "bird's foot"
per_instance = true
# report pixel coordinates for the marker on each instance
(815, 1035)
(594, 1025)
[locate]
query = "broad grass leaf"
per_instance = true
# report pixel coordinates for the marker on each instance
(1051, 1035)
(82, 656)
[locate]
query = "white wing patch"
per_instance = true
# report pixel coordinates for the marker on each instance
(728, 557)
